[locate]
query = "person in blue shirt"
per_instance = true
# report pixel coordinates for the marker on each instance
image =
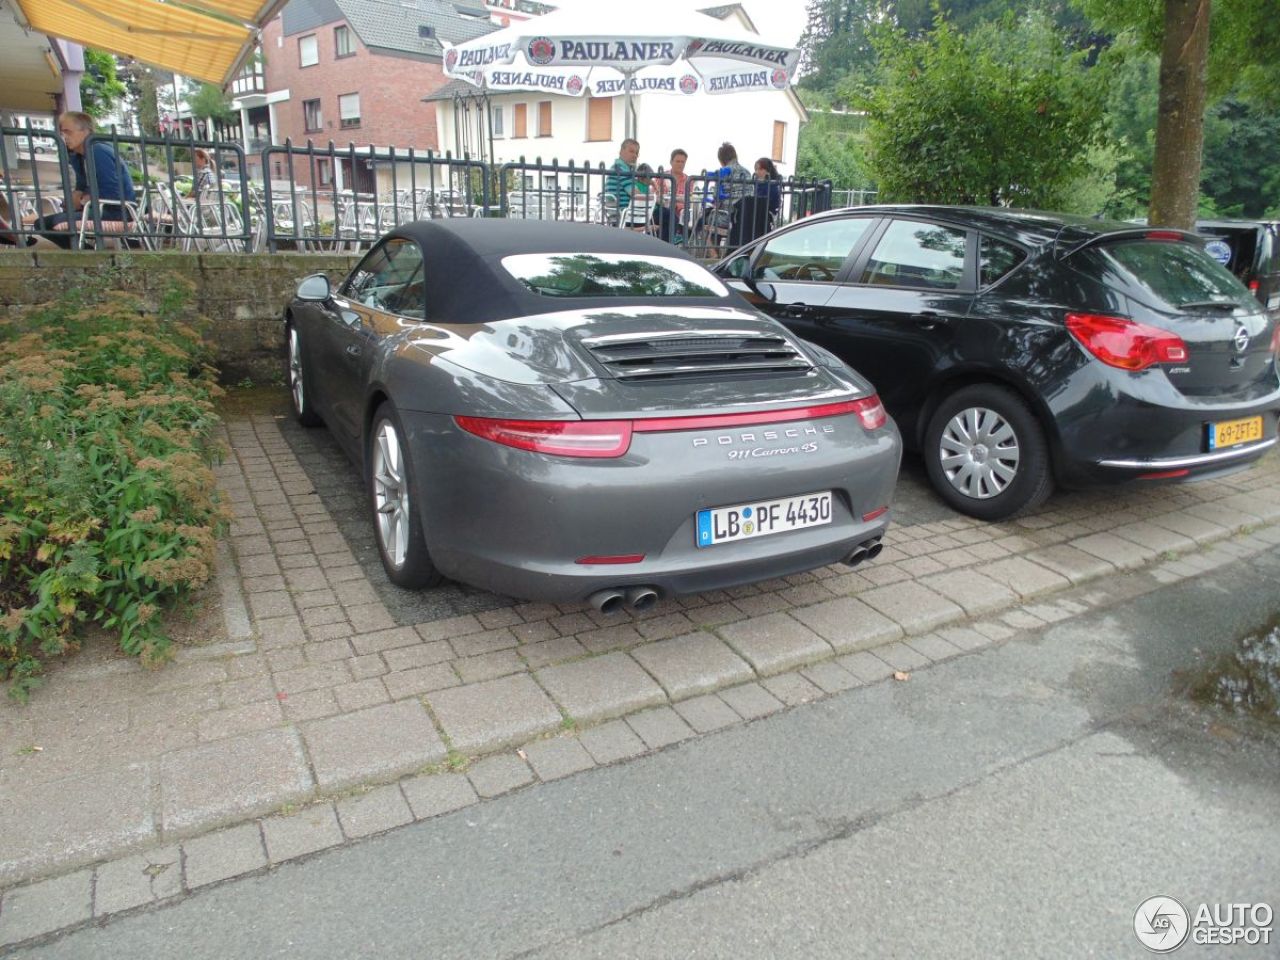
(112, 176)
(625, 180)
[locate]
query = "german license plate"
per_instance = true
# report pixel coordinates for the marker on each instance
(749, 520)
(1229, 433)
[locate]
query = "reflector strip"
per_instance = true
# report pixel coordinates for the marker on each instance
(878, 512)
(624, 558)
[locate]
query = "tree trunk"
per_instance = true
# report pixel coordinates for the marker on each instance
(148, 110)
(1175, 174)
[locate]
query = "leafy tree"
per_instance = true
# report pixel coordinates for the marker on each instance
(1240, 176)
(100, 89)
(832, 147)
(210, 104)
(838, 55)
(1204, 48)
(1006, 115)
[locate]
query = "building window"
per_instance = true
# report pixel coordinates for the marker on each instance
(497, 122)
(308, 50)
(544, 118)
(324, 172)
(520, 121)
(349, 110)
(779, 140)
(342, 45)
(600, 118)
(311, 116)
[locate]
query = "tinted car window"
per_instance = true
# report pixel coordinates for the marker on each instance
(1177, 273)
(815, 251)
(995, 259)
(390, 279)
(611, 275)
(914, 254)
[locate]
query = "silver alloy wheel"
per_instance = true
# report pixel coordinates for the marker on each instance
(295, 370)
(391, 493)
(979, 453)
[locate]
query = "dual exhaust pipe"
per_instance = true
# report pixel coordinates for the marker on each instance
(639, 599)
(614, 599)
(867, 550)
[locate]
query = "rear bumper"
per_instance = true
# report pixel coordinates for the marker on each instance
(1132, 425)
(1214, 460)
(518, 522)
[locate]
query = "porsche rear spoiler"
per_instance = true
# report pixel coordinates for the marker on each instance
(1065, 246)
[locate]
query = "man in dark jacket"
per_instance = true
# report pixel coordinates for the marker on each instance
(111, 175)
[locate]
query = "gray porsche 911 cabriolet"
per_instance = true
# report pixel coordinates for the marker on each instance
(566, 412)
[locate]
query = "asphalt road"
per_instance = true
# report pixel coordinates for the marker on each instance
(1017, 802)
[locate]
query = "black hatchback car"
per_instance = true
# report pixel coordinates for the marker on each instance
(1019, 348)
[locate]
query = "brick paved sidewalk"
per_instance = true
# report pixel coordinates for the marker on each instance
(336, 706)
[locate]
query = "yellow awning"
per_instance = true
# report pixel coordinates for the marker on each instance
(205, 39)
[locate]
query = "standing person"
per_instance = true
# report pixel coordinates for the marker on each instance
(757, 212)
(112, 176)
(669, 212)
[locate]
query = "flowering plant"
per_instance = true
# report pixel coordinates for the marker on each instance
(108, 506)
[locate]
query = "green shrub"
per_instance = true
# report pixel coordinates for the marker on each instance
(108, 509)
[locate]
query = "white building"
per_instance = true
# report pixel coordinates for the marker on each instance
(589, 129)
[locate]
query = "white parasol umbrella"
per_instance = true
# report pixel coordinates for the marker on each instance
(613, 49)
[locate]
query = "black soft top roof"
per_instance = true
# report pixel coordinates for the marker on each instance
(466, 281)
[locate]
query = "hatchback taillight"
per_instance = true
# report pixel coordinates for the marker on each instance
(1275, 341)
(1126, 344)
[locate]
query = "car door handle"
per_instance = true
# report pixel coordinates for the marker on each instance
(928, 320)
(353, 350)
(796, 310)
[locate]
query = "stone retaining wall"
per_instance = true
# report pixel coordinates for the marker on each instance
(243, 294)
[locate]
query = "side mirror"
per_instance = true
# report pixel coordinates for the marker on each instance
(766, 291)
(314, 287)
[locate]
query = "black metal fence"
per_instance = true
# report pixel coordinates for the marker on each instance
(196, 195)
(331, 198)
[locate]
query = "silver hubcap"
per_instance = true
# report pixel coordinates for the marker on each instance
(979, 453)
(390, 493)
(295, 370)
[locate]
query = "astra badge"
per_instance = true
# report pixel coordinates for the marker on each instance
(573, 85)
(688, 83)
(541, 51)
(1241, 339)
(779, 79)
(451, 59)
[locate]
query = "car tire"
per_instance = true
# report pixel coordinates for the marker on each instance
(986, 454)
(393, 499)
(299, 391)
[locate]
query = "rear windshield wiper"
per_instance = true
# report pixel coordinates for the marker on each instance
(1209, 305)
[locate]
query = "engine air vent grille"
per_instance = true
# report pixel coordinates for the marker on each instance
(682, 355)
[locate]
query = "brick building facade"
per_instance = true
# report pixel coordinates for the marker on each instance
(355, 71)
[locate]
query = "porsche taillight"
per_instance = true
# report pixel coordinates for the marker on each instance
(871, 412)
(1126, 344)
(564, 438)
(612, 438)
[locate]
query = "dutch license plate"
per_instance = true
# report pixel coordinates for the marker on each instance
(1228, 433)
(748, 520)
